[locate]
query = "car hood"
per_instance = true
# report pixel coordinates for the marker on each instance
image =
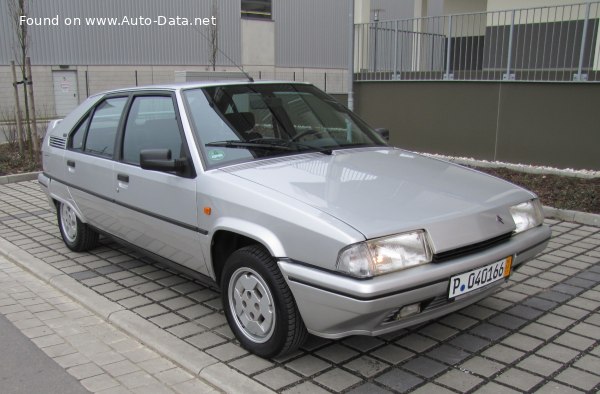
(384, 191)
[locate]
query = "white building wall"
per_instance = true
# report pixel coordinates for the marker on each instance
(394, 9)
(258, 43)
(43, 90)
(464, 6)
(96, 79)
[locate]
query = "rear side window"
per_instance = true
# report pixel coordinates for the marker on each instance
(100, 138)
(151, 124)
(79, 134)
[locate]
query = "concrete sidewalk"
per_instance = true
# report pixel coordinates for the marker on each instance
(25, 368)
(101, 358)
(538, 332)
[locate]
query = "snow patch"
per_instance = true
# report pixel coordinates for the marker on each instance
(587, 174)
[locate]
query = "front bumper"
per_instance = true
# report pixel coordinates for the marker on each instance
(336, 306)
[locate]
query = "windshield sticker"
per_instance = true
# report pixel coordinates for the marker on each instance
(216, 154)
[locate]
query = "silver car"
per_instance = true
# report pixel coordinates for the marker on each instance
(303, 215)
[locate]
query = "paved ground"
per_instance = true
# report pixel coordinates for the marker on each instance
(97, 357)
(25, 368)
(539, 332)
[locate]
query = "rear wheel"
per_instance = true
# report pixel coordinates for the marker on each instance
(78, 236)
(259, 305)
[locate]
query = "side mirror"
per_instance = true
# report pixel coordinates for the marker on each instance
(160, 160)
(383, 133)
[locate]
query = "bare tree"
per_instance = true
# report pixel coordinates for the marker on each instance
(17, 111)
(35, 141)
(213, 35)
(16, 9)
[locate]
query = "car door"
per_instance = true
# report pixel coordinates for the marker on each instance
(88, 162)
(157, 210)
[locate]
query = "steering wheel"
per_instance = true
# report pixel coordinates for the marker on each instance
(305, 133)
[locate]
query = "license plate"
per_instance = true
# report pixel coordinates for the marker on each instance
(480, 277)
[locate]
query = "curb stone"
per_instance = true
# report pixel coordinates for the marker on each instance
(176, 350)
(230, 381)
(27, 176)
(69, 286)
(527, 168)
(166, 344)
(588, 219)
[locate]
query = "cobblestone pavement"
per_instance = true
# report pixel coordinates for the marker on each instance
(538, 332)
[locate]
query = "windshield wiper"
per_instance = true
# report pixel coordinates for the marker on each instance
(268, 143)
(249, 145)
(282, 142)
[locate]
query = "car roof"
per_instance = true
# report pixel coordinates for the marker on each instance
(198, 84)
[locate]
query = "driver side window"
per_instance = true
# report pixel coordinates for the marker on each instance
(151, 124)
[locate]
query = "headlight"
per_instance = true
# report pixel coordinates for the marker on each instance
(383, 255)
(527, 215)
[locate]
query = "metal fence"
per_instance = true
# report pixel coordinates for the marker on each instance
(554, 43)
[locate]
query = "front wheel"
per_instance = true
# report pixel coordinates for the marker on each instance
(77, 235)
(259, 305)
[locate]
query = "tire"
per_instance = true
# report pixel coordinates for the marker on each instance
(267, 321)
(78, 236)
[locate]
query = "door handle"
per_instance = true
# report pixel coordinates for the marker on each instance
(123, 178)
(71, 163)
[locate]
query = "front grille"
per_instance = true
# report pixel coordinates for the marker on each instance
(469, 249)
(57, 142)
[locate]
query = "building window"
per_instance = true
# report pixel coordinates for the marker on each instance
(256, 9)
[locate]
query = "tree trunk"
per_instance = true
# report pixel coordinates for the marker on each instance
(35, 139)
(214, 37)
(18, 107)
(27, 118)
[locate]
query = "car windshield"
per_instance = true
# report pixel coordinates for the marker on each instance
(237, 123)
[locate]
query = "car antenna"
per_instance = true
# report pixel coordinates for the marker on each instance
(224, 54)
